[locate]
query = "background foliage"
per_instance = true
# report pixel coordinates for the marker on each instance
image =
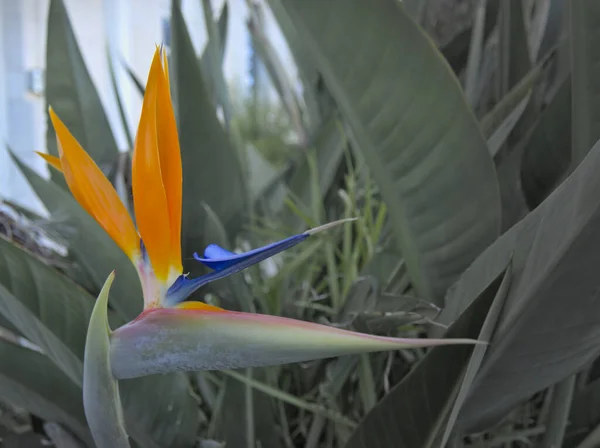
(462, 134)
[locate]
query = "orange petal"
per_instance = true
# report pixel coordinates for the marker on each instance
(170, 162)
(191, 305)
(93, 191)
(149, 197)
(53, 161)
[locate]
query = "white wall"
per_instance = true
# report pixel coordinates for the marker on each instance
(132, 28)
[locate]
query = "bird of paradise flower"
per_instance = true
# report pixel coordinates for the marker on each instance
(172, 334)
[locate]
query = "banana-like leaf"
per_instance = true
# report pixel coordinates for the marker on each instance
(409, 119)
(212, 172)
(171, 339)
(584, 26)
(71, 93)
(89, 244)
(29, 380)
(550, 326)
(38, 302)
(53, 313)
(101, 398)
(422, 403)
(548, 150)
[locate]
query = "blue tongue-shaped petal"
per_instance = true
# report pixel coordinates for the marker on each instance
(213, 254)
(218, 259)
(225, 263)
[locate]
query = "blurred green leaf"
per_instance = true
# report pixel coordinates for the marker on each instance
(494, 118)
(209, 67)
(547, 152)
(540, 340)
(215, 49)
(413, 128)
(90, 245)
(212, 171)
(71, 93)
(414, 413)
(41, 314)
(139, 85)
(514, 206)
(584, 415)
(276, 70)
(115, 86)
(53, 313)
(475, 53)
(456, 52)
(51, 395)
(329, 144)
(515, 61)
(500, 135)
(316, 96)
(585, 26)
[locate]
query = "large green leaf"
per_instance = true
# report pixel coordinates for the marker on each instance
(44, 307)
(585, 25)
(548, 150)
(71, 93)
(89, 244)
(51, 395)
(101, 397)
(212, 172)
(409, 119)
(53, 313)
(414, 414)
(549, 329)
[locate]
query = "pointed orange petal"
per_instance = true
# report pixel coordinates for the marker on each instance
(170, 163)
(93, 191)
(53, 161)
(149, 197)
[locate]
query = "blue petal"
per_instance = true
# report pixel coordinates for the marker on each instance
(225, 263)
(217, 258)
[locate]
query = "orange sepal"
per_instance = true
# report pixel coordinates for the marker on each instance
(149, 196)
(93, 191)
(53, 161)
(170, 161)
(192, 305)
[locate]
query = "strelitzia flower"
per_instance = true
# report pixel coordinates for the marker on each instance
(171, 333)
